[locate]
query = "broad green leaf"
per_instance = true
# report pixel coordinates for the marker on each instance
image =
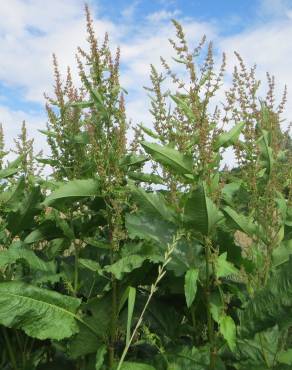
(125, 265)
(150, 178)
(136, 366)
(270, 305)
(190, 287)
(152, 203)
(228, 330)
(99, 361)
(229, 138)
(282, 253)
(223, 267)
(48, 133)
(142, 226)
(11, 169)
(133, 160)
(89, 264)
(266, 151)
(169, 157)
(216, 306)
(46, 231)
(200, 212)
(73, 189)
(23, 216)
(41, 313)
(242, 222)
(131, 305)
(285, 357)
(81, 104)
(184, 107)
(149, 132)
(17, 252)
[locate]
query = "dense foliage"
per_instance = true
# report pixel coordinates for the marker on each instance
(150, 254)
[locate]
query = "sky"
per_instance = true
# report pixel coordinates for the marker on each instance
(31, 30)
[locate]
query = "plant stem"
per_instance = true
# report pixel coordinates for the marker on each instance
(9, 349)
(113, 323)
(209, 316)
(76, 268)
(161, 273)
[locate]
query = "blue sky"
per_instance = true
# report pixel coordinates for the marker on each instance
(31, 30)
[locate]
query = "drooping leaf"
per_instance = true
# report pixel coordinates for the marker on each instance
(125, 265)
(22, 217)
(149, 178)
(270, 305)
(39, 312)
(131, 305)
(285, 357)
(266, 151)
(190, 287)
(228, 330)
(17, 251)
(184, 107)
(136, 366)
(229, 138)
(11, 169)
(223, 267)
(99, 361)
(200, 212)
(73, 189)
(152, 203)
(149, 132)
(241, 222)
(169, 157)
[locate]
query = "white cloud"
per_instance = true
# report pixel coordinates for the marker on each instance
(267, 46)
(31, 30)
(162, 15)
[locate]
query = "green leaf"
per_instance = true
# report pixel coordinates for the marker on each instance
(11, 169)
(81, 104)
(17, 252)
(142, 226)
(136, 366)
(200, 212)
(240, 221)
(73, 189)
(270, 305)
(22, 217)
(152, 203)
(191, 278)
(48, 133)
(266, 151)
(100, 357)
(125, 265)
(229, 138)
(149, 132)
(285, 357)
(89, 264)
(282, 253)
(228, 330)
(46, 231)
(184, 107)
(131, 305)
(223, 267)
(169, 157)
(150, 178)
(39, 312)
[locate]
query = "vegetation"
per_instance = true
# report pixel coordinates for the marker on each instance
(150, 254)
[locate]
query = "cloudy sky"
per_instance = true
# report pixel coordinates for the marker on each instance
(31, 30)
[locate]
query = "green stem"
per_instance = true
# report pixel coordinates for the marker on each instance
(9, 349)
(113, 323)
(210, 323)
(76, 268)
